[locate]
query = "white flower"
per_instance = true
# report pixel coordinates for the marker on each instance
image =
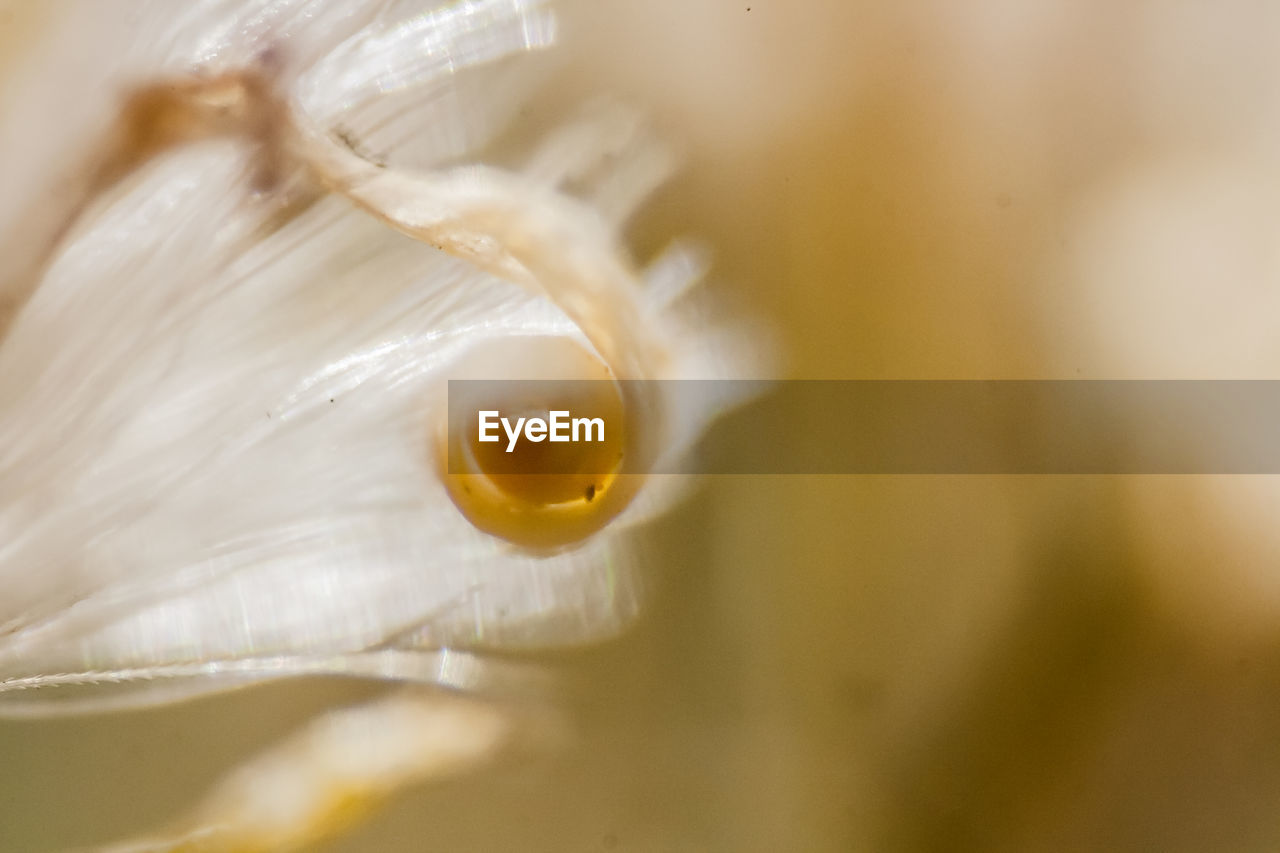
(218, 398)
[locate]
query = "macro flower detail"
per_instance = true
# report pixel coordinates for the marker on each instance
(232, 313)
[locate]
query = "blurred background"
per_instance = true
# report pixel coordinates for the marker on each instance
(995, 189)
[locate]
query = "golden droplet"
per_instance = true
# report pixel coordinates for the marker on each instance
(539, 493)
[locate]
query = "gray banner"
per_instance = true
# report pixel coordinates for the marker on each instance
(929, 427)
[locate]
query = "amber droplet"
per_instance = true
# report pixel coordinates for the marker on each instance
(540, 494)
(549, 472)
